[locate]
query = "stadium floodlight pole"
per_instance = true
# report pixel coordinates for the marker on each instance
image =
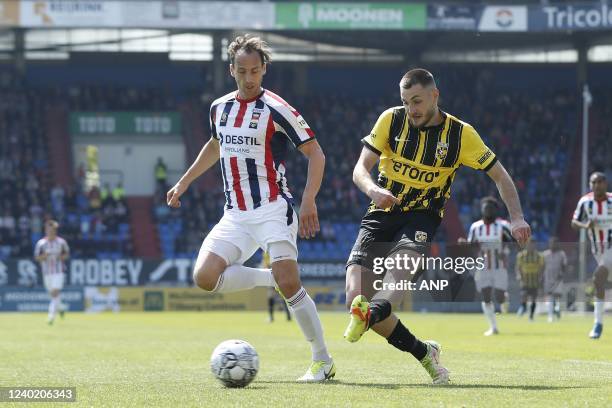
(587, 99)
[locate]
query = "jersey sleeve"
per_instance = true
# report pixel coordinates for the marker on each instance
(471, 234)
(65, 247)
(474, 153)
(580, 213)
(378, 139)
(38, 248)
(289, 121)
(212, 120)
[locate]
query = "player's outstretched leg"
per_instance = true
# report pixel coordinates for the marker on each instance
(360, 319)
(305, 312)
(599, 279)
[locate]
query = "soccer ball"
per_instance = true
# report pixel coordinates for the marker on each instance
(235, 363)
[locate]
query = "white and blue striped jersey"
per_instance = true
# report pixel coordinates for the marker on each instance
(253, 136)
(600, 212)
(491, 238)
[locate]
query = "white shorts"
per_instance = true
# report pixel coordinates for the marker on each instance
(250, 230)
(54, 281)
(605, 260)
(491, 278)
(553, 287)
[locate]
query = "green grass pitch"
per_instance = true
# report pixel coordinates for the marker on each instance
(162, 359)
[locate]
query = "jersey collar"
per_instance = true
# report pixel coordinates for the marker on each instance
(239, 99)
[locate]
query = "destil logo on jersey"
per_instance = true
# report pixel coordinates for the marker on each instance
(235, 143)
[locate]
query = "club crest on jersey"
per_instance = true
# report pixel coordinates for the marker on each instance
(441, 150)
(254, 119)
(420, 236)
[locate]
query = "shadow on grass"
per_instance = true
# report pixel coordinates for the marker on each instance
(453, 386)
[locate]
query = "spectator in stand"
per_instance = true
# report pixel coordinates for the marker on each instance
(161, 174)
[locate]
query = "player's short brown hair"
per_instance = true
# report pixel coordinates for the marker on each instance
(249, 44)
(52, 224)
(417, 76)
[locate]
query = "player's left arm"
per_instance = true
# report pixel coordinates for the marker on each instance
(507, 190)
(309, 219)
(475, 154)
(65, 252)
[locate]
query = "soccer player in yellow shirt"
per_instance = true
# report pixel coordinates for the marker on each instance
(418, 148)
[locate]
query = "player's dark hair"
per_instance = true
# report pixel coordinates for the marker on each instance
(490, 200)
(417, 76)
(598, 174)
(249, 44)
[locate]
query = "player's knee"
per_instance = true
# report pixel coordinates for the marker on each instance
(206, 278)
(288, 285)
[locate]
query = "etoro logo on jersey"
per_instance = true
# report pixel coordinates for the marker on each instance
(414, 173)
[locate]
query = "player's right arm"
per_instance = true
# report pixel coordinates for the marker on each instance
(362, 178)
(39, 254)
(374, 144)
(580, 219)
(207, 157)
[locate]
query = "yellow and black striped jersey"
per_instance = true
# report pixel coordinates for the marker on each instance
(530, 264)
(418, 165)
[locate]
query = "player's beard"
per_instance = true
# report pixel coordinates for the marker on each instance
(426, 118)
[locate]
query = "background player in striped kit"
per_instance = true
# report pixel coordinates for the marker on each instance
(250, 130)
(594, 213)
(490, 233)
(52, 251)
(555, 265)
(529, 267)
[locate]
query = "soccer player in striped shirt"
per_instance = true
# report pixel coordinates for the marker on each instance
(490, 233)
(51, 252)
(251, 129)
(418, 149)
(594, 214)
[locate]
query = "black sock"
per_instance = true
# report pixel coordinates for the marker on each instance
(403, 340)
(532, 311)
(271, 307)
(380, 309)
(524, 306)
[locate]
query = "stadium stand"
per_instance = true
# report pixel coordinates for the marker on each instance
(507, 122)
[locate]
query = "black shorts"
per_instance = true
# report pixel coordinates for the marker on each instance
(529, 292)
(382, 233)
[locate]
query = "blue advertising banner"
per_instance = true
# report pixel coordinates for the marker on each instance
(21, 299)
(452, 17)
(578, 17)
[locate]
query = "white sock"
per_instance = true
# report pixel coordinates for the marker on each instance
(306, 315)
(60, 305)
(551, 309)
(52, 308)
(489, 311)
(599, 309)
(238, 277)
